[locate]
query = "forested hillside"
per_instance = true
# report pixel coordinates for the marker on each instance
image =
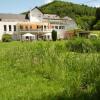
(83, 15)
(62, 9)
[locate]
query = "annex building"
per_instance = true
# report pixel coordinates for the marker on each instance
(35, 25)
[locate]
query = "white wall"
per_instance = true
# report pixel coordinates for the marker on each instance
(7, 24)
(36, 15)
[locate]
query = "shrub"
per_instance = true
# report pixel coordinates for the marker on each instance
(80, 45)
(96, 44)
(7, 38)
(93, 36)
(54, 35)
(97, 26)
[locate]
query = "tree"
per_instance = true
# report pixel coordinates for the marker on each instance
(54, 35)
(98, 13)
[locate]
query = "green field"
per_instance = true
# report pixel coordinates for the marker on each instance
(47, 71)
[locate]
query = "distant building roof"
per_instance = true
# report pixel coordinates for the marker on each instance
(51, 16)
(67, 18)
(12, 17)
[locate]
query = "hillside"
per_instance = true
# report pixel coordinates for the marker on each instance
(84, 15)
(62, 9)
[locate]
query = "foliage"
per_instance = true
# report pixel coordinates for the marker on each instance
(47, 71)
(63, 9)
(7, 38)
(97, 26)
(80, 45)
(98, 13)
(96, 44)
(54, 35)
(86, 22)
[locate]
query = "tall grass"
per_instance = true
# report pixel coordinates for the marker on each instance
(47, 71)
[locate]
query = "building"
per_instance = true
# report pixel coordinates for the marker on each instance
(37, 23)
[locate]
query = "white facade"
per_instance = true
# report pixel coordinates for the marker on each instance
(9, 28)
(36, 15)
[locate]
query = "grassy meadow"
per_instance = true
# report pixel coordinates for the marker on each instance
(47, 71)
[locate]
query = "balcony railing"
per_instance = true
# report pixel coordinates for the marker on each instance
(35, 30)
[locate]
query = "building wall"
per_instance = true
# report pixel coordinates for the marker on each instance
(7, 25)
(36, 15)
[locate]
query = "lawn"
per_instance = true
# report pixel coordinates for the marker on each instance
(47, 71)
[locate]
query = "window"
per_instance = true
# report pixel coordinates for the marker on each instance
(37, 27)
(21, 27)
(44, 27)
(56, 27)
(9, 27)
(30, 27)
(14, 27)
(53, 27)
(63, 27)
(5, 27)
(48, 37)
(60, 27)
(26, 27)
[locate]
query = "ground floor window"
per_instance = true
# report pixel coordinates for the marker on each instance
(14, 27)
(5, 27)
(10, 28)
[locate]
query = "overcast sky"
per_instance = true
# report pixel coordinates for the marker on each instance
(18, 6)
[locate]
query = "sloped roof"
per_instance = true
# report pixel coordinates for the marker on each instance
(38, 9)
(17, 17)
(68, 18)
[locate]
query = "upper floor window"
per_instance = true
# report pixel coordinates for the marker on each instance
(30, 27)
(63, 27)
(5, 27)
(26, 27)
(56, 27)
(10, 28)
(21, 27)
(53, 27)
(60, 27)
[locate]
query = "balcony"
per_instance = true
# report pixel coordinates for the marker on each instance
(35, 30)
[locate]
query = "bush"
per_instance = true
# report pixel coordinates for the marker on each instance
(97, 26)
(96, 44)
(7, 38)
(80, 45)
(93, 36)
(54, 35)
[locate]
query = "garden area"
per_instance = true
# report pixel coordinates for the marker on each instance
(47, 70)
